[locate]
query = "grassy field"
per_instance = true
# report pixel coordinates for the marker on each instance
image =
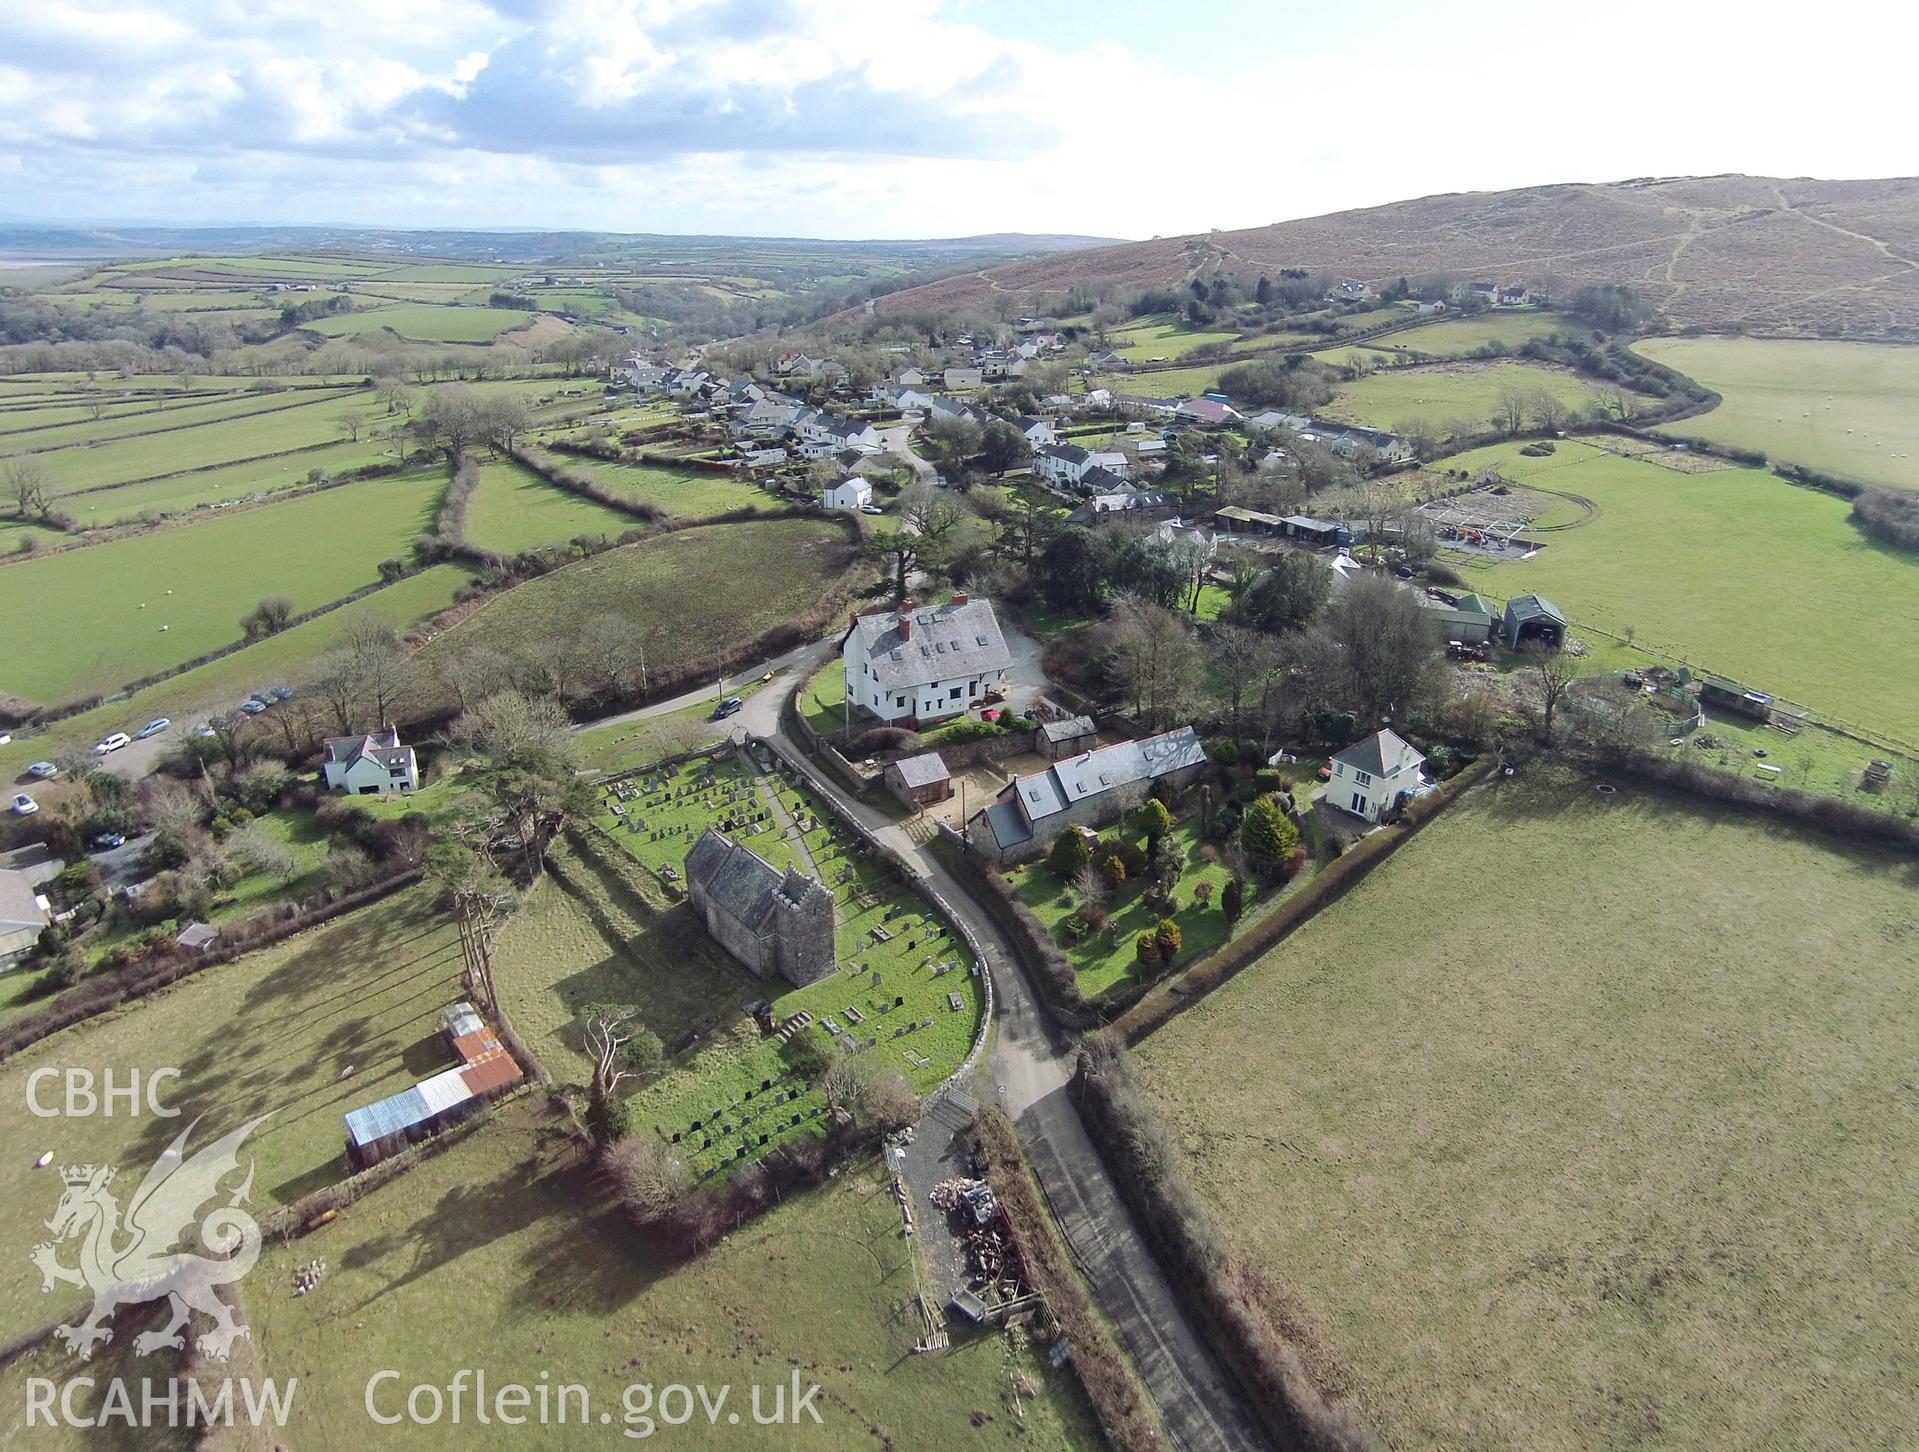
(1436, 396)
(687, 495)
(1732, 570)
(1164, 382)
(506, 1255)
(425, 323)
(222, 485)
(1456, 337)
(1847, 408)
(1582, 1129)
(95, 614)
(774, 570)
(1162, 337)
(308, 1029)
(225, 682)
(515, 509)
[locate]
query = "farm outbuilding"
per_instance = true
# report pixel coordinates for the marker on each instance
(1468, 618)
(1314, 531)
(1725, 695)
(1531, 618)
(1067, 736)
(920, 781)
(486, 1071)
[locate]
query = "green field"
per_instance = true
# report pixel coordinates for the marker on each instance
(224, 484)
(157, 422)
(1456, 337)
(1469, 392)
(221, 684)
(1163, 382)
(686, 594)
(1846, 408)
(1580, 1130)
(93, 616)
(507, 1255)
(1731, 570)
(424, 322)
(515, 509)
(272, 1031)
(1162, 336)
(688, 495)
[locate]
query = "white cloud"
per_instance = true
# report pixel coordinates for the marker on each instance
(890, 117)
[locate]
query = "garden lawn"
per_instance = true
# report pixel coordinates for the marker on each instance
(692, 494)
(324, 1022)
(1598, 1144)
(506, 1255)
(1845, 408)
(425, 323)
(92, 616)
(1732, 571)
(224, 683)
(686, 594)
(1436, 396)
(1102, 965)
(514, 509)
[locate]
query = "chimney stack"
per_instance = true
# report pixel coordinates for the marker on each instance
(906, 621)
(960, 597)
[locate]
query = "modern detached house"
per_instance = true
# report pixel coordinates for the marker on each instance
(1371, 777)
(370, 765)
(924, 663)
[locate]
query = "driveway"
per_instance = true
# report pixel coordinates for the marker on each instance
(899, 440)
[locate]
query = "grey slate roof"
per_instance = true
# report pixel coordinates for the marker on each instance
(1384, 753)
(1082, 777)
(345, 750)
(1068, 729)
(17, 905)
(926, 769)
(1008, 827)
(947, 642)
(740, 881)
(1066, 453)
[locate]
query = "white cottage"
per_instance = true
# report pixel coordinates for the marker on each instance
(370, 765)
(924, 663)
(851, 493)
(1371, 776)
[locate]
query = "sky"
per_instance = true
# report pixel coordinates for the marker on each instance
(909, 118)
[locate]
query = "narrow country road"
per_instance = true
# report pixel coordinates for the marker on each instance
(1201, 1407)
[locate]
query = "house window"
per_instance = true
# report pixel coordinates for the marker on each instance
(954, 694)
(899, 700)
(1361, 777)
(1359, 804)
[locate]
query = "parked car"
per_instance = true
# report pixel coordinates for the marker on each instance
(727, 708)
(107, 841)
(43, 771)
(279, 693)
(24, 805)
(153, 727)
(113, 743)
(253, 706)
(204, 729)
(871, 509)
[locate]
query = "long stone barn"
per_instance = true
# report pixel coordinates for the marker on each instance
(772, 922)
(1092, 790)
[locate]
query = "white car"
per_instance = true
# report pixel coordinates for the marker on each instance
(113, 743)
(24, 805)
(43, 771)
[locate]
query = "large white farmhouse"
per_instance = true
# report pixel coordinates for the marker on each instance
(370, 765)
(924, 663)
(1370, 776)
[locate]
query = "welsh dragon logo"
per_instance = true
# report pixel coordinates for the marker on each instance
(155, 1252)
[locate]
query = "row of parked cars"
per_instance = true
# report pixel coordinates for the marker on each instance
(262, 700)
